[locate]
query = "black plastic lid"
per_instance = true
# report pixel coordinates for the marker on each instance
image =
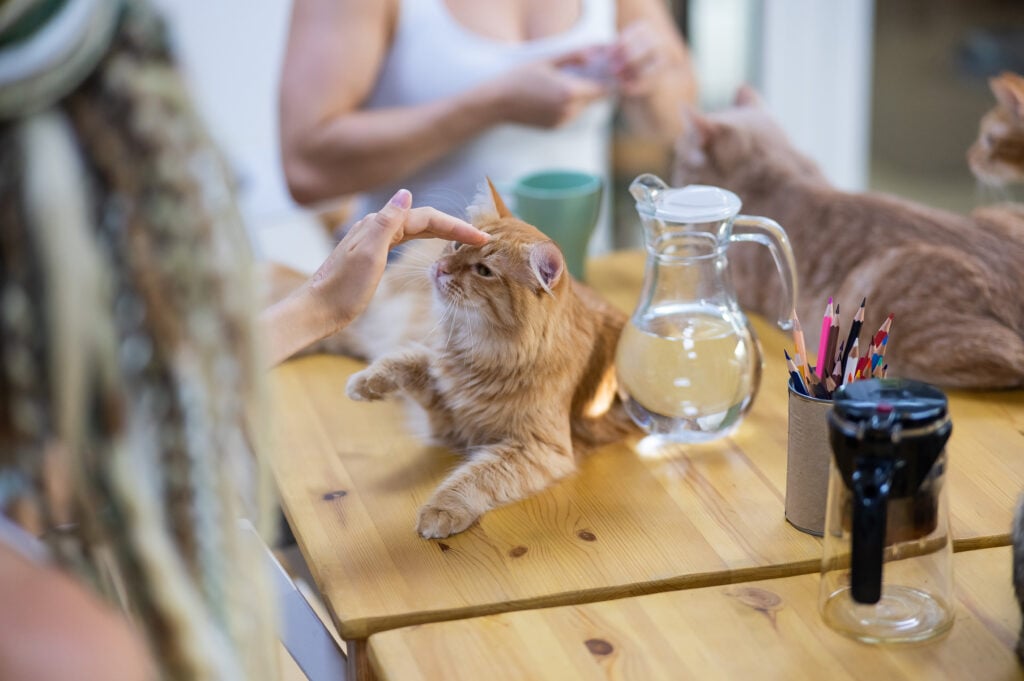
(912, 404)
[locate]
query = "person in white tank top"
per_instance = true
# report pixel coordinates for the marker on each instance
(433, 95)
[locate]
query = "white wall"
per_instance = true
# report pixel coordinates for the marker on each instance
(816, 76)
(811, 60)
(231, 53)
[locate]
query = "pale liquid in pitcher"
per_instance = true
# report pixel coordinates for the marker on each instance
(688, 374)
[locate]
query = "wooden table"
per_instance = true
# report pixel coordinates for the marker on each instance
(351, 479)
(761, 630)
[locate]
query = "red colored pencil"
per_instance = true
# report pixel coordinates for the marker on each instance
(883, 330)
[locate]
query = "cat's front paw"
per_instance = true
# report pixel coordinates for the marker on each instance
(439, 520)
(368, 385)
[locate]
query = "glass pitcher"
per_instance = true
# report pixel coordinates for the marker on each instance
(688, 363)
(887, 566)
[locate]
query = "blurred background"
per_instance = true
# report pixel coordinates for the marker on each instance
(885, 96)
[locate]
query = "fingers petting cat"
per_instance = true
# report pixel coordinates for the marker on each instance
(495, 475)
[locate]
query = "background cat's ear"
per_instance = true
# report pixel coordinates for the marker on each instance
(700, 129)
(547, 264)
(1009, 91)
(747, 96)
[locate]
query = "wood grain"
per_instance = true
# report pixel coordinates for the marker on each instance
(761, 630)
(352, 476)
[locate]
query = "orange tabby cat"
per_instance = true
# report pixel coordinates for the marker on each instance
(997, 157)
(518, 372)
(954, 287)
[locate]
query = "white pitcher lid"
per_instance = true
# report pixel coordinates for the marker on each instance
(696, 203)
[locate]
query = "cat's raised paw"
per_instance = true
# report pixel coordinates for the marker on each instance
(438, 522)
(368, 385)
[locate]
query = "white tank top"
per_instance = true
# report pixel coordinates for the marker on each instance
(433, 56)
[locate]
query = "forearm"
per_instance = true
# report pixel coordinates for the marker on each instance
(366, 148)
(291, 325)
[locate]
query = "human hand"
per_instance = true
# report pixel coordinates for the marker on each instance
(638, 57)
(544, 95)
(344, 284)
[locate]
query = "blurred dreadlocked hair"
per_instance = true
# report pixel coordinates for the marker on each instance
(126, 348)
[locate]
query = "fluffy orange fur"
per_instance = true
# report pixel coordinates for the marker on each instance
(997, 156)
(512, 360)
(953, 283)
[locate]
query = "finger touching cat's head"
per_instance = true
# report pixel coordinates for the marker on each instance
(505, 280)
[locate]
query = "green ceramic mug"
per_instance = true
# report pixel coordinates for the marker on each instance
(564, 204)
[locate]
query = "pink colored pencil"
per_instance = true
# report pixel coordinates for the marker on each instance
(826, 322)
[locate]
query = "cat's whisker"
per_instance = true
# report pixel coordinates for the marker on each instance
(411, 276)
(455, 317)
(451, 330)
(471, 320)
(448, 309)
(412, 258)
(444, 199)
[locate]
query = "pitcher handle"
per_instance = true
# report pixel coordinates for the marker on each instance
(771, 234)
(872, 483)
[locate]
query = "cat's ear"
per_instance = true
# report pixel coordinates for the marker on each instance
(1009, 91)
(700, 129)
(499, 204)
(547, 264)
(487, 205)
(748, 96)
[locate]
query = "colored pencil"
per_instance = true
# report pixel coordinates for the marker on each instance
(830, 347)
(858, 321)
(826, 322)
(801, 366)
(794, 375)
(837, 364)
(883, 330)
(864, 364)
(880, 350)
(837, 372)
(850, 370)
(821, 392)
(801, 346)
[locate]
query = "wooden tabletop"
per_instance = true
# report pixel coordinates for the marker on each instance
(351, 478)
(762, 630)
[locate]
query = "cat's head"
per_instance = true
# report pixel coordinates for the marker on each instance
(508, 282)
(997, 155)
(736, 147)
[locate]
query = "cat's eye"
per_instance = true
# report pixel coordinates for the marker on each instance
(483, 270)
(456, 245)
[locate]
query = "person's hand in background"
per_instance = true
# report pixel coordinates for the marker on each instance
(639, 57)
(342, 287)
(543, 94)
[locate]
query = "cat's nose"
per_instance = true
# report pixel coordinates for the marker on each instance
(438, 270)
